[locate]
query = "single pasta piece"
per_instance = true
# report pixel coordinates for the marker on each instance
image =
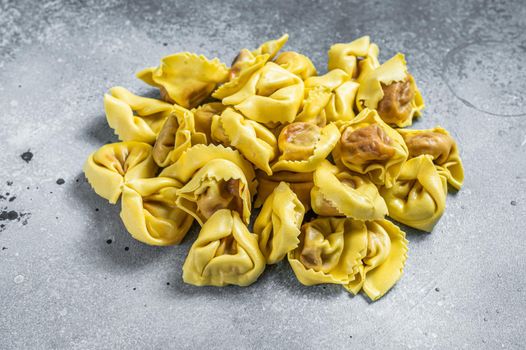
(198, 156)
(278, 223)
(439, 144)
(342, 89)
(384, 261)
(300, 183)
(149, 212)
(330, 251)
(176, 136)
(313, 107)
(303, 146)
(203, 116)
(220, 184)
(337, 192)
(271, 94)
(185, 78)
(392, 91)
(225, 252)
(109, 167)
(135, 118)
(348, 56)
(297, 64)
(418, 197)
(271, 47)
(369, 146)
(251, 139)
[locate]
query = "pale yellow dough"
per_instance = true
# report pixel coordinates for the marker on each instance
(150, 214)
(111, 165)
(278, 223)
(225, 252)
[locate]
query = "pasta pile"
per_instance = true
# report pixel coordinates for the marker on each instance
(270, 132)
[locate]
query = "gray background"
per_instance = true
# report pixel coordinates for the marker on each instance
(63, 286)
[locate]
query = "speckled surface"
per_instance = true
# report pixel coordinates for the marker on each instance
(63, 285)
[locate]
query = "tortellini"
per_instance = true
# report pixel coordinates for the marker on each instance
(198, 156)
(220, 184)
(225, 252)
(297, 64)
(269, 129)
(347, 56)
(110, 166)
(384, 260)
(418, 197)
(177, 135)
(151, 114)
(330, 251)
(278, 224)
(392, 91)
(303, 146)
(342, 91)
(271, 94)
(369, 146)
(337, 192)
(185, 78)
(300, 183)
(438, 143)
(150, 214)
(251, 139)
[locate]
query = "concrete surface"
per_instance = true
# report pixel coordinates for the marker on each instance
(72, 278)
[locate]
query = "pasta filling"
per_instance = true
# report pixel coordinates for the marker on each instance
(220, 195)
(317, 252)
(298, 140)
(436, 144)
(366, 145)
(396, 104)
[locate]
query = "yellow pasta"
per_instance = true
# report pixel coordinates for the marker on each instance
(297, 64)
(143, 126)
(347, 56)
(251, 139)
(271, 94)
(330, 251)
(185, 78)
(278, 223)
(337, 192)
(343, 92)
(198, 156)
(149, 212)
(438, 143)
(177, 135)
(392, 91)
(225, 252)
(418, 197)
(111, 165)
(384, 261)
(203, 116)
(220, 184)
(300, 183)
(303, 146)
(369, 146)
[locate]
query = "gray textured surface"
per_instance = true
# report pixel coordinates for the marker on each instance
(63, 286)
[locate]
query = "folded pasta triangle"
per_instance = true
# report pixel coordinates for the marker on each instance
(135, 118)
(150, 214)
(176, 136)
(251, 139)
(297, 64)
(337, 192)
(346, 56)
(219, 184)
(438, 143)
(278, 224)
(392, 91)
(225, 252)
(418, 197)
(113, 164)
(330, 250)
(185, 78)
